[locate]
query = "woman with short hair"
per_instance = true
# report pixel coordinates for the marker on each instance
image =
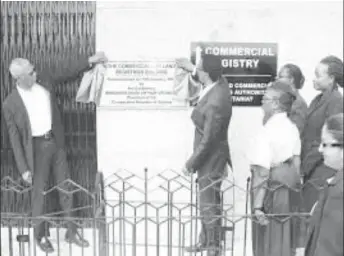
(292, 74)
(325, 236)
(275, 162)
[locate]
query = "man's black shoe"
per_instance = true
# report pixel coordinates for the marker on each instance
(214, 251)
(45, 245)
(77, 239)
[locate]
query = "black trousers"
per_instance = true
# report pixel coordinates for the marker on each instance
(49, 160)
(210, 211)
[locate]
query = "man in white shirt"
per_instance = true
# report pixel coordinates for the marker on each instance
(37, 137)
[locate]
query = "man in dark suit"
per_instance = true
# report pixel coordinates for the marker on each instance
(211, 156)
(37, 137)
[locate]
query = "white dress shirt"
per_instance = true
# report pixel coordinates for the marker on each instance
(37, 103)
(276, 142)
(205, 91)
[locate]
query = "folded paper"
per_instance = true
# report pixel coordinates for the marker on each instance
(91, 85)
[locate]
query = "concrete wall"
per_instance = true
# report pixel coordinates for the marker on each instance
(305, 33)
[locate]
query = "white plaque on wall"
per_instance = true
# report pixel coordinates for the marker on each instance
(141, 85)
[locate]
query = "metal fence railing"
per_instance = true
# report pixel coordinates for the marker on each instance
(136, 215)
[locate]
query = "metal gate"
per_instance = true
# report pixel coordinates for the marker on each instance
(139, 214)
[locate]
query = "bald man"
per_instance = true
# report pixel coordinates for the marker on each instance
(37, 137)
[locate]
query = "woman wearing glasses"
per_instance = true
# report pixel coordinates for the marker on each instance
(275, 162)
(325, 234)
(328, 76)
(293, 75)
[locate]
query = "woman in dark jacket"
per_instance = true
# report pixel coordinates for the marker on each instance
(293, 75)
(328, 76)
(325, 234)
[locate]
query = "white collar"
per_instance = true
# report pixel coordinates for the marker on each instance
(206, 90)
(329, 180)
(276, 117)
(26, 90)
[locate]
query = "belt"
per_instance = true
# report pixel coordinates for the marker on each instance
(47, 136)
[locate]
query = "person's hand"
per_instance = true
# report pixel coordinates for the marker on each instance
(98, 57)
(260, 215)
(27, 177)
(302, 179)
(186, 171)
(300, 251)
(184, 63)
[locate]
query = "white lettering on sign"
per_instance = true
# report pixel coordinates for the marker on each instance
(248, 85)
(239, 51)
(240, 63)
(242, 98)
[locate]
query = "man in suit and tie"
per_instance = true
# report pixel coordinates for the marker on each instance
(37, 137)
(211, 157)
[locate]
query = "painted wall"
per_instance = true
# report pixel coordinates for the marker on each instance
(305, 33)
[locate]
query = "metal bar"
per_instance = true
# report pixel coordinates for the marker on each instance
(134, 234)
(28, 232)
(113, 231)
(121, 204)
(157, 233)
(224, 224)
(146, 210)
(34, 247)
(246, 212)
(10, 238)
(197, 212)
(123, 219)
(191, 210)
(94, 224)
(95, 245)
(20, 232)
(183, 235)
(180, 232)
(58, 239)
(169, 220)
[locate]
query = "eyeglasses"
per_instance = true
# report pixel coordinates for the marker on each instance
(331, 145)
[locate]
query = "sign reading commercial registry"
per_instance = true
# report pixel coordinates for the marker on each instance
(140, 84)
(248, 68)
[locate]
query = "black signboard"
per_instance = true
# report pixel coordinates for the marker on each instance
(248, 67)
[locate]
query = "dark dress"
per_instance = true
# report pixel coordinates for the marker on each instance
(325, 235)
(323, 106)
(278, 237)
